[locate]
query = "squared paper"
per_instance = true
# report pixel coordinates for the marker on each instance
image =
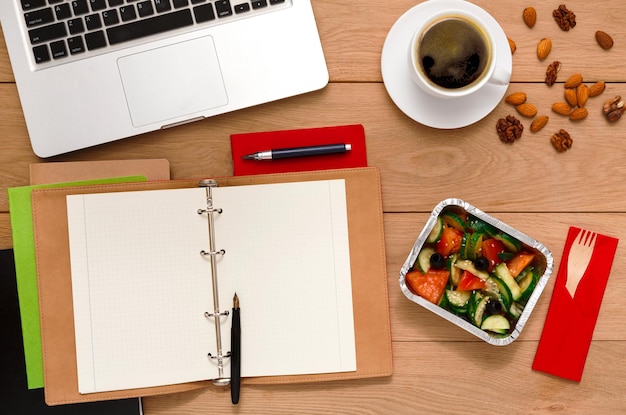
(141, 287)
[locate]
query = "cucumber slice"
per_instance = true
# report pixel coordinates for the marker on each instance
(516, 310)
(503, 273)
(465, 244)
(436, 232)
(527, 282)
(455, 272)
(443, 303)
(496, 323)
(505, 256)
(479, 311)
(454, 220)
(476, 298)
(501, 290)
(523, 273)
(491, 288)
(458, 300)
(423, 259)
(509, 242)
(477, 225)
(475, 245)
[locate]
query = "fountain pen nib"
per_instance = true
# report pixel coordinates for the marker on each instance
(235, 301)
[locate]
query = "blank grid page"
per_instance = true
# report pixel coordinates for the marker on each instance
(287, 257)
(140, 288)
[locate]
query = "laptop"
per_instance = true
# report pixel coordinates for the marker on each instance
(90, 72)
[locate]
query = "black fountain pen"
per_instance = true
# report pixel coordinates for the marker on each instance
(235, 353)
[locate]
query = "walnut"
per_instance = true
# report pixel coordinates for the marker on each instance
(509, 129)
(566, 19)
(561, 141)
(613, 108)
(552, 72)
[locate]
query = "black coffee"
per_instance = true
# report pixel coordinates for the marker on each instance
(453, 53)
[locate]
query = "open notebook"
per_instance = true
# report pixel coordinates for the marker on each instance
(154, 274)
(368, 278)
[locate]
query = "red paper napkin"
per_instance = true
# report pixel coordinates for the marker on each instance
(248, 143)
(570, 322)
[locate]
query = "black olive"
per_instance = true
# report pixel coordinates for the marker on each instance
(437, 261)
(493, 306)
(481, 263)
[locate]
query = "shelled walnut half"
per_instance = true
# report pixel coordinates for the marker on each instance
(561, 141)
(566, 19)
(613, 108)
(509, 129)
(552, 72)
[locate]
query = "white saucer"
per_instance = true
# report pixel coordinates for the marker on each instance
(419, 105)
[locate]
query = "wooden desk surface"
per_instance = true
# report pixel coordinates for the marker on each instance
(439, 369)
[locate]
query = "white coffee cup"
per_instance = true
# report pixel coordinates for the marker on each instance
(453, 54)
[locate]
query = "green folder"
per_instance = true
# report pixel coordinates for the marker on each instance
(26, 269)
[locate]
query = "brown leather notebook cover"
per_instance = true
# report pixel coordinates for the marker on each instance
(367, 259)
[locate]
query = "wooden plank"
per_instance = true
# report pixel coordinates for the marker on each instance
(6, 73)
(435, 378)
(6, 241)
(420, 165)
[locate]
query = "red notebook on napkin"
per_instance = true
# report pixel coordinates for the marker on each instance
(249, 143)
(575, 304)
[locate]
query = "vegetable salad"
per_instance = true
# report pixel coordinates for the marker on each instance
(475, 271)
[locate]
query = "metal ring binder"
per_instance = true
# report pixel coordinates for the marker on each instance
(228, 354)
(202, 211)
(211, 254)
(223, 313)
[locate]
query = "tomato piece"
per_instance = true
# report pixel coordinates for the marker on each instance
(520, 261)
(491, 248)
(430, 285)
(470, 282)
(450, 241)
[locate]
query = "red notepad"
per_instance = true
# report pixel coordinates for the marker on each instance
(248, 143)
(570, 322)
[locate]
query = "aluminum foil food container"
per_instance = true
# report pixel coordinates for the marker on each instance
(543, 263)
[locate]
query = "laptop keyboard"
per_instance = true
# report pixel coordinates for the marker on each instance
(60, 30)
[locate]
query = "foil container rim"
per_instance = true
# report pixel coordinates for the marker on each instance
(522, 237)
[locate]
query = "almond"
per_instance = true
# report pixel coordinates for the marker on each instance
(562, 108)
(538, 123)
(527, 110)
(516, 98)
(582, 94)
(573, 81)
(570, 96)
(543, 48)
(530, 16)
(578, 114)
(604, 40)
(596, 89)
(512, 45)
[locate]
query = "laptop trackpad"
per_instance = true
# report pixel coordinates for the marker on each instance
(172, 81)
